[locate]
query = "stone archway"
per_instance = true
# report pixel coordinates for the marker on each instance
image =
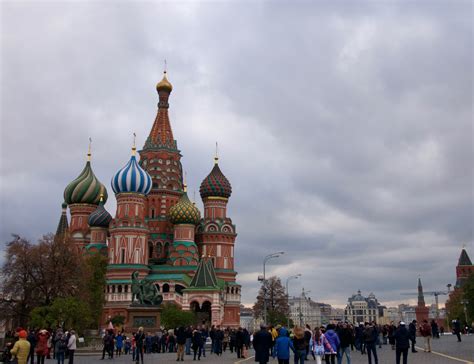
(203, 312)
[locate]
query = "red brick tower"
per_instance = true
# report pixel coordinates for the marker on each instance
(161, 158)
(216, 238)
(421, 311)
(463, 269)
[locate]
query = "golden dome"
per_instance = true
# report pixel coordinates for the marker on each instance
(164, 84)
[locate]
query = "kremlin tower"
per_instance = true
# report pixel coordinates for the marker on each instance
(158, 232)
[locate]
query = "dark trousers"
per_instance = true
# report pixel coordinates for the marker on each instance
(71, 356)
(31, 356)
(139, 354)
(283, 361)
(371, 349)
(238, 349)
(330, 357)
(197, 351)
(300, 356)
(413, 342)
(40, 359)
(405, 355)
(458, 334)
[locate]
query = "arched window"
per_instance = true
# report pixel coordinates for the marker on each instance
(119, 288)
(166, 288)
(179, 288)
(113, 288)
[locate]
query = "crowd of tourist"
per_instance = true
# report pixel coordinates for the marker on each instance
(25, 346)
(329, 343)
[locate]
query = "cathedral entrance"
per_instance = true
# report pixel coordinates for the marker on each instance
(203, 313)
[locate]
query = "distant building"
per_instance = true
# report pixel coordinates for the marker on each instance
(304, 311)
(407, 312)
(362, 309)
(247, 319)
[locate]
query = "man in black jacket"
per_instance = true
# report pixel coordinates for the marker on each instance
(402, 342)
(262, 343)
(346, 337)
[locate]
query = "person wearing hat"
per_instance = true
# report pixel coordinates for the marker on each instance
(402, 343)
(21, 349)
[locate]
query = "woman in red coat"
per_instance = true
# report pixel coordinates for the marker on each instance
(42, 346)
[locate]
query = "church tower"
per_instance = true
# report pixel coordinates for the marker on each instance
(161, 158)
(128, 231)
(216, 234)
(83, 195)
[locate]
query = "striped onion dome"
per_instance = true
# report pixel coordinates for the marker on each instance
(86, 188)
(132, 178)
(100, 217)
(215, 184)
(184, 212)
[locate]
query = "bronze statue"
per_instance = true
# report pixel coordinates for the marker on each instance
(145, 292)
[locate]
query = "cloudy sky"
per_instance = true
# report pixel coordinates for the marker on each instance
(345, 128)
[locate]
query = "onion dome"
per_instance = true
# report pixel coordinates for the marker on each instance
(164, 84)
(100, 217)
(132, 178)
(215, 184)
(184, 212)
(86, 188)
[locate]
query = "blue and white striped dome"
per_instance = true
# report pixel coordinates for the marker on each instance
(132, 178)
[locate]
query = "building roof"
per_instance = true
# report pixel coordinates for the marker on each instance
(215, 184)
(86, 188)
(132, 178)
(63, 225)
(100, 216)
(464, 258)
(184, 212)
(205, 276)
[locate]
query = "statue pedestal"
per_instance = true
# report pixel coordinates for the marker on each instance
(143, 315)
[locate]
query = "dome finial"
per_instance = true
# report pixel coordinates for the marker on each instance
(89, 150)
(185, 186)
(216, 156)
(134, 148)
(101, 197)
(164, 84)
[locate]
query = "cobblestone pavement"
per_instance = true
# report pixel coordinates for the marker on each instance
(445, 351)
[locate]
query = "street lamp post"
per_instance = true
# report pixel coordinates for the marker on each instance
(265, 260)
(465, 303)
(296, 276)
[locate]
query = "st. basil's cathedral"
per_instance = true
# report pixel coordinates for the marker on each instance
(158, 232)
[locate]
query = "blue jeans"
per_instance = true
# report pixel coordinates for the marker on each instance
(60, 357)
(300, 355)
(188, 346)
(343, 351)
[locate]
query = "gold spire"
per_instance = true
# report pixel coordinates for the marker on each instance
(185, 186)
(216, 156)
(89, 150)
(101, 197)
(134, 148)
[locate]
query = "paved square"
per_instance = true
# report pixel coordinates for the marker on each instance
(445, 351)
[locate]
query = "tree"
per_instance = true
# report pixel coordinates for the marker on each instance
(468, 297)
(455, 304)
(172, 316)
(277, 302)
(92, 287)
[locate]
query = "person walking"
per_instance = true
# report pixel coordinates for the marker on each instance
(334, 343)
(139, 343)
(189, 340)
(239, 342)
(319, 345)
(425, 331)
(345, 336)
(181, 341)
(71, 346)
(402, 343)
(434, 329)
(282, 347)
(299, 345)
(262, 343)
(370, 339)
(119, 344)
(21, 349)
(457, 329)
(196, 343)
(412, 331)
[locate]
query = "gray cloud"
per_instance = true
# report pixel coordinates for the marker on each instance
(345, 128)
